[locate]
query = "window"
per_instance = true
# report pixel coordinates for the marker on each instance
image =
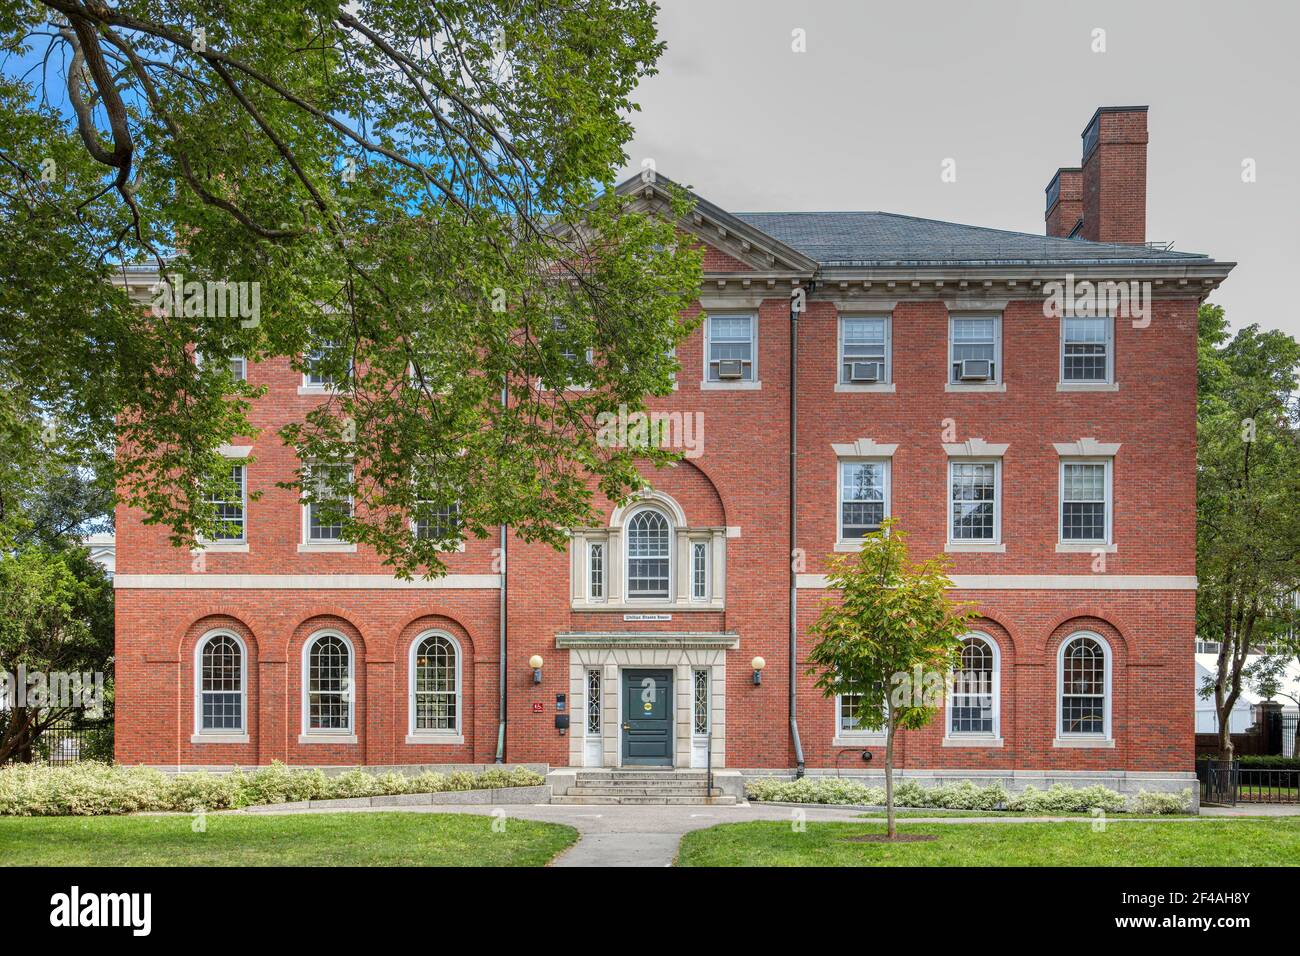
(1087, 345)
(439, 523)
(975, 350)
(323, 365)
(220, 682)
(230, 512)
(593, 702)
(327, 685)
(596, 571)
(864, 350)
(700, 701)
(561, 328)
(649, 544)
(848, 715)
(864, 498)
(699, 570)
(1085, 687)
(730, 352)
(435, 685)
(973, 496)
(237, 365)
(1085, 501)
(973, 705)
(325, 513)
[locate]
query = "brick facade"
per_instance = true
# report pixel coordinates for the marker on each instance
(1032, 595)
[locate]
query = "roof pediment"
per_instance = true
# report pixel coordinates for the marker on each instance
(714, 226)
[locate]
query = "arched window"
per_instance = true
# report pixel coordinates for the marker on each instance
(435, 684)
(1084, 703)
(219, 683)
(649, 547)
(973, 707)
(327, 685)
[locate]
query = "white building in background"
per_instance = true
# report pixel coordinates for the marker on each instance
(103, 551)
(1242, 716)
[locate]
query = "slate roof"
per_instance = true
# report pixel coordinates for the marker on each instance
(889, 239)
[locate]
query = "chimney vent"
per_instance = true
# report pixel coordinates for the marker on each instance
(1115, 175)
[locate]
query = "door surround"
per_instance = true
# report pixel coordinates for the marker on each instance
(612, 654)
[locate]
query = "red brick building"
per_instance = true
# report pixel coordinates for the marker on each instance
(931, 371)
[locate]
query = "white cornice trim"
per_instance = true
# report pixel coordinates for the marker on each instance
(1086, 448)
(1050, 582)
(864, 448)
(235, 451)
(305, 581)
(975, 448)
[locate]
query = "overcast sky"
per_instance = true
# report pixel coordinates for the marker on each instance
(885, 92)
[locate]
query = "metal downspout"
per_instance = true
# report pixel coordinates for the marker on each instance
(501, 648)
(794, 471)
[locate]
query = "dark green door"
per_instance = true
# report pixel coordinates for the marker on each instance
(648, 718)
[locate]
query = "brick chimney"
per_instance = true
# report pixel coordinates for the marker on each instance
(1115, 175)
(1064, 201)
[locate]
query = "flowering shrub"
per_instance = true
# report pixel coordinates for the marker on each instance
(1058, 798)
(965, 796)
(90, 788)
(1154, 803)
(909, 793)
(809, 790)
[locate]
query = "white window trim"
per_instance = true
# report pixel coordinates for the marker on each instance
(1077, 544)
(443, 737)
(966, 544)
(707, 544)
(708, 703)
(226, 735)
(999, 380)
(414, 523)
(855, 544)
(854, 738)
(614, 538)
(952, 738)
(588, 545)
(755, 382)
(1107, 385)
(888, 384)
(1105, 738)
(673, 528)
(307, 386)
(308, 544)
(320, 735)
(232, 545)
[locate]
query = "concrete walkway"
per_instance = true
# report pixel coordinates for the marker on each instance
(649, 835)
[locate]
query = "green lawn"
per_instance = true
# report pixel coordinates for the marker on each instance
(323, 839)
(1274, 842)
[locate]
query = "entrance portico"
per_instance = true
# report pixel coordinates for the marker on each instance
(613, 676)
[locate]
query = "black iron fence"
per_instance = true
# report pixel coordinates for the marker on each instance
(1218, 781)
(1228, 784)
(69, 742)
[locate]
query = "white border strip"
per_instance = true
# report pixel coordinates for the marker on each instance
(306, 581)
(1052, 582)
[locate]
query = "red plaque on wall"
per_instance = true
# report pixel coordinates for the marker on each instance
(537, 707)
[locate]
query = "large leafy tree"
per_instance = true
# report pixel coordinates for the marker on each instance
(890, 635)
(1248, 490)
(420, 187)
(56, 618)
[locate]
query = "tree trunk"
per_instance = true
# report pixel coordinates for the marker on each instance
(891, 825)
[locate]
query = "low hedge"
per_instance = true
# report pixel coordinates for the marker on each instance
(92, 789)
(966, 796)
(1262, 762)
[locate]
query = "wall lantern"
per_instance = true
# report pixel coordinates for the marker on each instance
(758, 664)
(536, 662)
